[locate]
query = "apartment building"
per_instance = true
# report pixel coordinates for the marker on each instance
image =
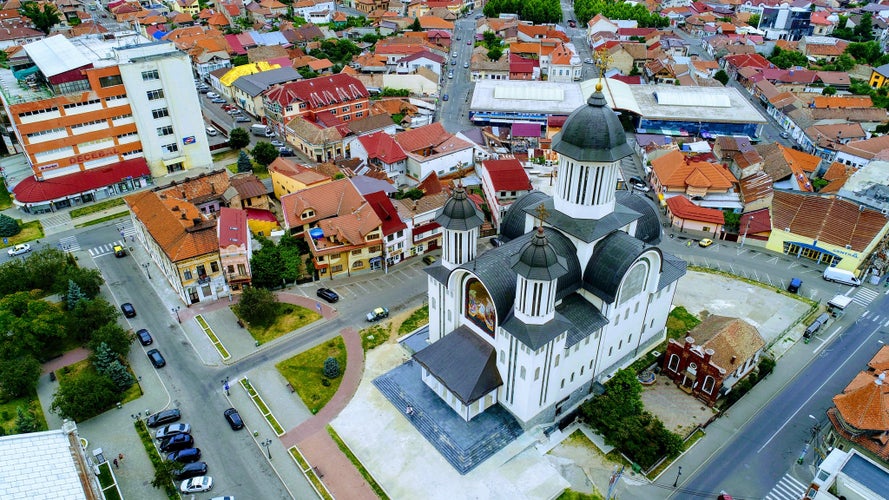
(100, 115)
(341, 95)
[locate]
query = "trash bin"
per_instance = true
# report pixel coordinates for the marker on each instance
(636, 468)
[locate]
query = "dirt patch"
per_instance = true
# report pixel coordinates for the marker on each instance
(680, 412)
(581, 463)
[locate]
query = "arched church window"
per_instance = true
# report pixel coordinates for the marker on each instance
(634, 283)
(673, 365)
(709, 382)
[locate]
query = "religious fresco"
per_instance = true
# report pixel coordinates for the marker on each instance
(479, 307)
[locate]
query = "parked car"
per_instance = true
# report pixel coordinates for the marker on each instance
(211, 131)
(785, 135)
(706, 242)
(212, 95)
(196, 484)
(588, 61)
(128, 310)
(172, 430)
(184, 456)
(328, 295)
(234, 419)
(466, 65)
(156, 358)
(468, 42)
(794, 285)
(19, 249)
(454, 55)
(572, 23)
(444, 97)
(144, 337)
(285, 152)
(638, 184)
(217, 100)
(164, 417)
(378, 314)
(451, 74)
(177, 442)
(429, 259)
(242, 119)
(277, 143)
(119, 251)
(190, 470)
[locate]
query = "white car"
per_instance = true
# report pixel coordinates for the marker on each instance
(197, 484)
(211, 131)
(212, 95)
(19, 249)
(277, 144)
(171, 430)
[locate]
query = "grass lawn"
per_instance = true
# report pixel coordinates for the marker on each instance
(577, 495)
(153, 455)
(30, 231)
(310, 474)
(417, 319)
(96, 207)
(679, 322)
(290, 318)
(5, 199)
(305, 373)
(8, 411)
(131, 394)
(358, 465)
(373, 336)
(258, 170)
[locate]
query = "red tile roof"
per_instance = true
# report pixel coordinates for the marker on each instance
(681, 207)
(507, 175)
(260, 215)
(177, 226)
(831, 220)
(319, 92)
(30, 190)
(383, 147)
(423, 137)
(387, 213)
(232, 227)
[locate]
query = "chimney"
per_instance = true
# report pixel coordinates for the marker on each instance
(732, 361)
(183, 195)
(708, 353)
(183, 216)
(213, 188)
(689, 342)
(175, 208)
(196, 221)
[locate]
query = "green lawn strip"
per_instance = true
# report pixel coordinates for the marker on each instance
(418, 318)
(213, 338)
(96, 207)
(30, 231)
(154, 456)
(200, 320)
(262, 407)
(289, 318)
(310, 474)
(111, 493)
(358, 465)
(373, 336)
(102, 219)
(570, 494)
(5, 199)
(105, 478)
(305, 373)
(9, 411)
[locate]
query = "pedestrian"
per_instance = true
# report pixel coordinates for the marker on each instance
(409, 410)
(115, 464)
(120, 457)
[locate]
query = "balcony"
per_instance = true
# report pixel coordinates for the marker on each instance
(203, 279)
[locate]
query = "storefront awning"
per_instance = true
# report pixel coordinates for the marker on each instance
(813, 246)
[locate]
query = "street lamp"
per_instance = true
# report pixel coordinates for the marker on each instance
(145, 265)
(267, 443)
(175, 310)
(678, 473)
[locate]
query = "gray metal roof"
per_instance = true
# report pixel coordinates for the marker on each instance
(673, 268)
(464, 362)
(585, 318)
(648, 227)
(438, 272)
(536, 336)
(611, 259)
(459, 212)
(538, 260)
(593, 133)
(587, 230)
(513, 224)
(255, 84)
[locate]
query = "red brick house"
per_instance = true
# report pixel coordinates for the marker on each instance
(713, 357)
(342, 95)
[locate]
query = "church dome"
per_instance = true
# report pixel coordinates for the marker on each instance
(593, 133)
(459, 213)
(648, 227)
(538, 260)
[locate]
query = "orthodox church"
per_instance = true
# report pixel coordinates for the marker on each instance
(578, 291)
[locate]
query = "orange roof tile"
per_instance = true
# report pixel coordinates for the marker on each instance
(674, 170)
(178, 227)
(831, 220)
(682, 207)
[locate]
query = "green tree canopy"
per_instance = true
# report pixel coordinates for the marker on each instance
(618, 9)
(88, 316)
(19, 376)
(721, 76)
(44, 17)
(244, 163)
(264, 153)
(238, 138)
(83, 396)
(114, 337)
(9, 226)
(25, 421)
(258, 306)
(788, 58)
(415, 26)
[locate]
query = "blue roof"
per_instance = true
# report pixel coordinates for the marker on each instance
(866, 473)
(157, 35)
(270, 38)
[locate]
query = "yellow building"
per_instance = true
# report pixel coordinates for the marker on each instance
(879, 77)
(290, 177)
(243, 70)
(829, 231)
(192, 8)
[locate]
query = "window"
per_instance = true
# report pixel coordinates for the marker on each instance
(155, 94)
(160, 113)
(231, 269)
(358, 265)
(356, 252)
(336, 269)
(170, 148)
(110, 81)
(522, 373)
(563, 384)
(610, 349)
(557, 361)
(673, 365)
(572, 376)
(165, 130)
(214, 266)
(537, 373)
(242, 269)
(502, 356)
(150, 75)
(709, 382)
(187, 274)
(307, 214)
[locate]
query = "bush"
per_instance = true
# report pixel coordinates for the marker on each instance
(766, 366)
(258, 306)
(9, 226)
(331, 368)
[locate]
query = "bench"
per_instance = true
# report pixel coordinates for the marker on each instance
(317, 472)
(289, 386)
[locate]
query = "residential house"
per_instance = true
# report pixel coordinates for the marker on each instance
(785, 22)
(306, 8)
(205, 191)
(395, 232)
(424, 59)
(710, 185)
(686, 216)
(825, 48)
(181, 242)
(341, 95)
(235, 247)
(824, 140)
(432, 149)
(190, 7)
(757, 190)
(16, 33)
(756, 226)
(289, 177)
(713, 357)
(858, 416)
(481, 67)
(879, 76)
(503, 182)
(247, 90)
(860, 153)
(380, 151)
(343, 231)
(425, 232)
(794, 167)
(564, 64)
(247, 191)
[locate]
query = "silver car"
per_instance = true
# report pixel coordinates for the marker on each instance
(172, 430)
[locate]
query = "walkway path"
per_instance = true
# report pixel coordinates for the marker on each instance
(68, 358)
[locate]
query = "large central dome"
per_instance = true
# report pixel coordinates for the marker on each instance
(593, 133)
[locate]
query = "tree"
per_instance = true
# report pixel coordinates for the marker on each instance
(331, 368)
(258, 306)
(490, 39)
(88, 316)
(290, 256)
(118, 374)
(415, 26)
(732, 220)
(103, 357)
(74, 295)
(244, 163)
(753, 20)
(19, 376)
(266, 266)
(25, 421)
(786, 58)
(264, 153)
(163, 474)
(238, 138)
(829, 90)
(114, 337)
(495, 54)
(9, 226)
(83, 396)
(721, 76)
(42, 17)
(88, 280)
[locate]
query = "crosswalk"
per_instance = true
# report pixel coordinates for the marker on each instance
(105, 249)
(69, 244)
(864, 296)
(127, 236)
(788, 488)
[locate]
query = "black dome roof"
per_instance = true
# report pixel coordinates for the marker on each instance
(593, 133)
(538, 260)
(459, 213)
(513, 223)
(648, 227)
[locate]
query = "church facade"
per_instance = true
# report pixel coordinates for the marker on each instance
(579, 291)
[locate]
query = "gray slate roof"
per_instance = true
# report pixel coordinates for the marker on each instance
(587, 230)
(464, 363)
(538, 260)
(673, 269)
(536, 336)
(459, 212)
(513, 224)
(255, 84)
(611, 259)
(593, 133)
(648, 227)
(585, 318)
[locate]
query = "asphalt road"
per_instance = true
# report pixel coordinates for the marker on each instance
(454, 113)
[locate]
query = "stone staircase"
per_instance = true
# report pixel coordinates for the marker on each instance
(462, 458)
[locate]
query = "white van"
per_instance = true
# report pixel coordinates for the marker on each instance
(841, 276)
(211, 131)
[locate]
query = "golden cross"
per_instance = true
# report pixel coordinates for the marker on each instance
(602, 59)
(542, 213)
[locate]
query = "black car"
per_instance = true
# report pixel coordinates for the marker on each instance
(328, 295)
(185, 456)
(156, 358)
(177, 442)
(144, 337)
(128, 310)
(190, 470)
(234, 419)
(164, 417)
